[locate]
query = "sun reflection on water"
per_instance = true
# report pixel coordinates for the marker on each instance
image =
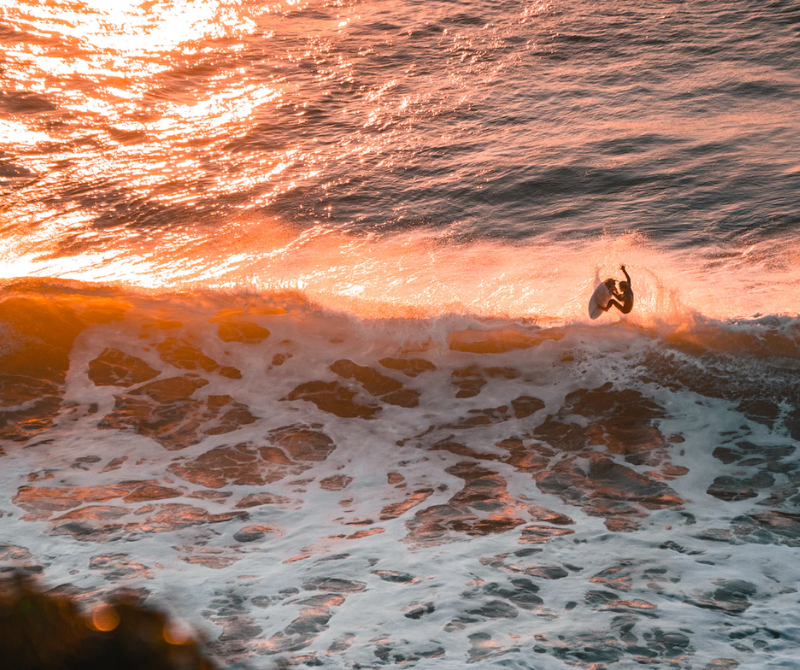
(133, 26)
(123, 108)
(153, 129)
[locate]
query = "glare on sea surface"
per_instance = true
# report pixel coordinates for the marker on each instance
(136, 124)
(132, 25)
(127, 120)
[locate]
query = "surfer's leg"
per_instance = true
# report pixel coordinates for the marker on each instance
(612, 303)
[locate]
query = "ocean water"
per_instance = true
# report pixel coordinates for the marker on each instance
(294, 336)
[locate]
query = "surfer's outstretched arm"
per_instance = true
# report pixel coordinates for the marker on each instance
(627, 276)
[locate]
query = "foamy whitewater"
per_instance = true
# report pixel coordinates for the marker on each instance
(294, 338)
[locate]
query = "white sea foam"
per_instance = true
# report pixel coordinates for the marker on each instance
(657, 569)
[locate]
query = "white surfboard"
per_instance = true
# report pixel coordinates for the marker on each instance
(599, 299)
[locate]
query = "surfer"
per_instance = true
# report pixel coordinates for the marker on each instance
(626, 296)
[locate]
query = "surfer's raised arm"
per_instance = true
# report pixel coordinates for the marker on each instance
(625, 304)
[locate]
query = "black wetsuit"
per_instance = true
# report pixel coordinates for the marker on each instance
(626, 296)
(627, 302)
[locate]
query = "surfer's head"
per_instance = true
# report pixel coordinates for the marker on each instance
(610, 284)
(624, 285)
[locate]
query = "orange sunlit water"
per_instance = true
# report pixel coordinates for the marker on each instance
(99, 61)
(419, 275)
(136, 127)
(139, 123)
